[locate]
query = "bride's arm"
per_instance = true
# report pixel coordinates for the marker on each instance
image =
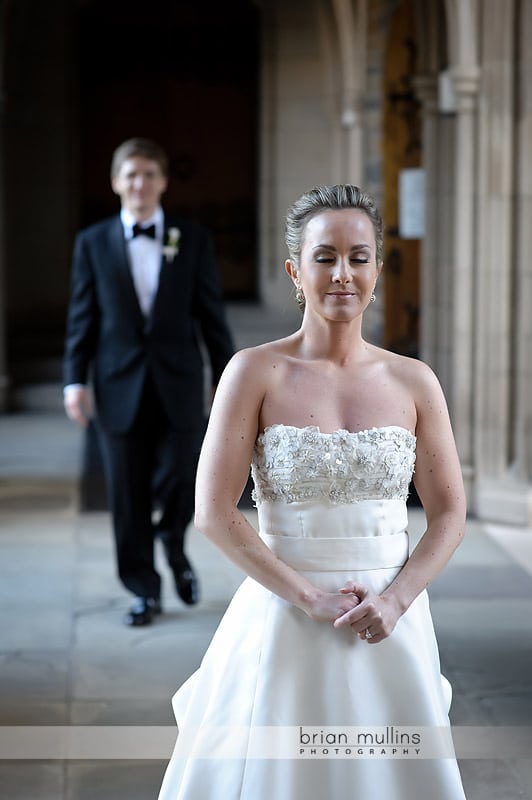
(223, 470)
(438, 481)
(439, 484)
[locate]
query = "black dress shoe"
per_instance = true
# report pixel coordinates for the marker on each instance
(142, 611)
(187, 586)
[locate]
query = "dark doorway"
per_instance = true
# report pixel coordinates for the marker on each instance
(184, 73)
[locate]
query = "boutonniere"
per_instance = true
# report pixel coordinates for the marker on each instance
(171, 247)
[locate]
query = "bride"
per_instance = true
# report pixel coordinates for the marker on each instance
(323, 677)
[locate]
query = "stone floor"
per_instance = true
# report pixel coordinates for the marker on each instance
(67, 660)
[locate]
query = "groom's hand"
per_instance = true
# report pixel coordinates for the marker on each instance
(78, 404)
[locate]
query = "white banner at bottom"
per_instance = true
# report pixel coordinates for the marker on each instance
(142, 742)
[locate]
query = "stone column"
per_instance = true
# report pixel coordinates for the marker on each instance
(437, 246)
(351, 32)
(523, 293)
(444, 266)
(331, 79)
(494, 245)
(460, 392)
(295, 136)
(498, 493)
(427, 91)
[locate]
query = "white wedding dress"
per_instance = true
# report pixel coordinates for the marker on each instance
(333, 507)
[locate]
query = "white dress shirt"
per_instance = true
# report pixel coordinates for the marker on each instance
(144, 256)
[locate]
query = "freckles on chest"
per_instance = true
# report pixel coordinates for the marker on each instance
(358, 401)
(307, 392)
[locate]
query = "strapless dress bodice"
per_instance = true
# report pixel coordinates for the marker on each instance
(291, 464)
(331, 500)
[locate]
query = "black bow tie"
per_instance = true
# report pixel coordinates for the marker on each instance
(149, 231)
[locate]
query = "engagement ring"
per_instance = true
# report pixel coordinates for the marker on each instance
(369, 635)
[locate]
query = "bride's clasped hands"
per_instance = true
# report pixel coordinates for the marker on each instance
(331, 606)
(372, 617)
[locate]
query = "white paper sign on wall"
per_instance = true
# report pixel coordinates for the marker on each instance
(412, 203)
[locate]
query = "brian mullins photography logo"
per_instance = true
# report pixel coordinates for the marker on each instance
(385, 742)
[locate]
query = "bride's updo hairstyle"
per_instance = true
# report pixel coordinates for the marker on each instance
(326, 198)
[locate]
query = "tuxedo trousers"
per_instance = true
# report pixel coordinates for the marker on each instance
(150, 473)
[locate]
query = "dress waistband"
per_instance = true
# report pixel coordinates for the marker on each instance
(340, 555)
(311, 519)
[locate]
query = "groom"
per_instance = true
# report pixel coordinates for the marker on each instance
(142, 286)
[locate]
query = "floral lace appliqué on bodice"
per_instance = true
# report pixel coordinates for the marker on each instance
(292, 464)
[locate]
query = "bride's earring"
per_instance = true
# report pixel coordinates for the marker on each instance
(373, 297)
(300, 297)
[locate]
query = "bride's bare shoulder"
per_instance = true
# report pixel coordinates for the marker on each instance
(416, 376)
(263, 361)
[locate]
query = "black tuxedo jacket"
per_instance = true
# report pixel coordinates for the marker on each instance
(109, 339)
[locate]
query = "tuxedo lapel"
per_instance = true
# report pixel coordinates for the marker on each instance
(168, 264)
(120, 263)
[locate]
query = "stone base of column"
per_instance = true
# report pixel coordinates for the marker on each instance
(506, 501)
